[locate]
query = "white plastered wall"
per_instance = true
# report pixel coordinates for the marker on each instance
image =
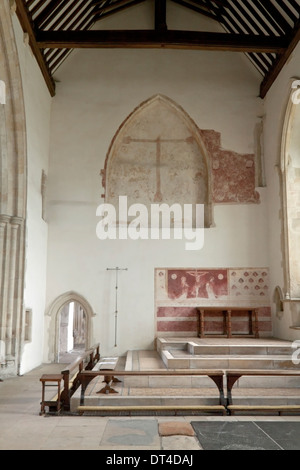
(96, 92)
(37, 113)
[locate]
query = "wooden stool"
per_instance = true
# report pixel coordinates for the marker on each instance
(50, 378)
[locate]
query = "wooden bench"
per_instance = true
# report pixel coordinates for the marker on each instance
(186, 409)
(233, 376)
(85, 361)
(216, 376)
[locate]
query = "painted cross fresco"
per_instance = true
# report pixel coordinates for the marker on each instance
(158, 197)
(191, 284)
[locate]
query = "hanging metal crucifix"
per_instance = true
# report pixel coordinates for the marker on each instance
(116, 309)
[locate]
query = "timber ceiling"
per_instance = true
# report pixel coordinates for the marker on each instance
(266, 30)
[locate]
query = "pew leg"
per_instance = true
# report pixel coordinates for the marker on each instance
(115, 380)
(231, 380)
(107, 389)
(219, 383)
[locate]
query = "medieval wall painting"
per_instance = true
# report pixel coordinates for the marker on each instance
(233, 174)
(159, 155)
(178, 293)
(197, 284)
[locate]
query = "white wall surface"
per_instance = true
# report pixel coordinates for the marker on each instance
(37, 110)
(96, 92)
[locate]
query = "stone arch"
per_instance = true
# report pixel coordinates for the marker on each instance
(54, 314)
(158, 156)
(290, 175)
(13, 181)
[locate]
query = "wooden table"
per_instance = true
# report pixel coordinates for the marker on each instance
(227, 323)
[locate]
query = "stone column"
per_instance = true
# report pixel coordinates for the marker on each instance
(4, 221)
(11, 264)
(13, 194)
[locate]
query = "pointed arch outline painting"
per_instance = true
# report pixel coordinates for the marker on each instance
(159, 155)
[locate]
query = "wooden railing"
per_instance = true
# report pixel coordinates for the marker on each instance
(85, 377)
(232, 376)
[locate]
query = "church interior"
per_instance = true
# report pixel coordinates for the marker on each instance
(150, 204)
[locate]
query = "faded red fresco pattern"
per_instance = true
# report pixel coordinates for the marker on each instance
(180, 291)
(233, 174)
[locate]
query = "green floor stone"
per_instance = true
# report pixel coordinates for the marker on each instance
(131, 433)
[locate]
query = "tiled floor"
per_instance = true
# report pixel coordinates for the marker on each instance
(21, 427)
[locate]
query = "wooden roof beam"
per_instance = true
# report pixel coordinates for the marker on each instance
(160, 15)
(272, 14)
(28, 28)
(48, 10)
(280, 62)
(155, 39)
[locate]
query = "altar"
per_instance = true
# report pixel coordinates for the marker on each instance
(227, 313)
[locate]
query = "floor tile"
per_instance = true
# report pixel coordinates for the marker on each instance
(131, 432)
(233, 436)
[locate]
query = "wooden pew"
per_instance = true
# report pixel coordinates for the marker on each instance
(233, 376)
(85, 377)
(85, 361)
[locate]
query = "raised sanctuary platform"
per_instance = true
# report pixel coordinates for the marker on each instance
(191, 354)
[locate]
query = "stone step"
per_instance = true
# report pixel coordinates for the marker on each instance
(197, 349)
(181, 360)
(154, 382)
(165, 343)
(149, 400)
(169, 397)
(217, 346)
(226, 345)
(173, 381)
(273, 399)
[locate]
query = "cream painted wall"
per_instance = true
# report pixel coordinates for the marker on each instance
(275, 106)
(97, 90)
(37, 110)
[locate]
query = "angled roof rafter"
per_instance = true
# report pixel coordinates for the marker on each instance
(267, 31)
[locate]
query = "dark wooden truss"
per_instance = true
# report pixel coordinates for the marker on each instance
(266, 30)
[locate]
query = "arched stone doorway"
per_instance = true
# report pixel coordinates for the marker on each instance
(72, 332)
(70, 328)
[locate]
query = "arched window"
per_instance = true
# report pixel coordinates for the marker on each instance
(290, 168)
